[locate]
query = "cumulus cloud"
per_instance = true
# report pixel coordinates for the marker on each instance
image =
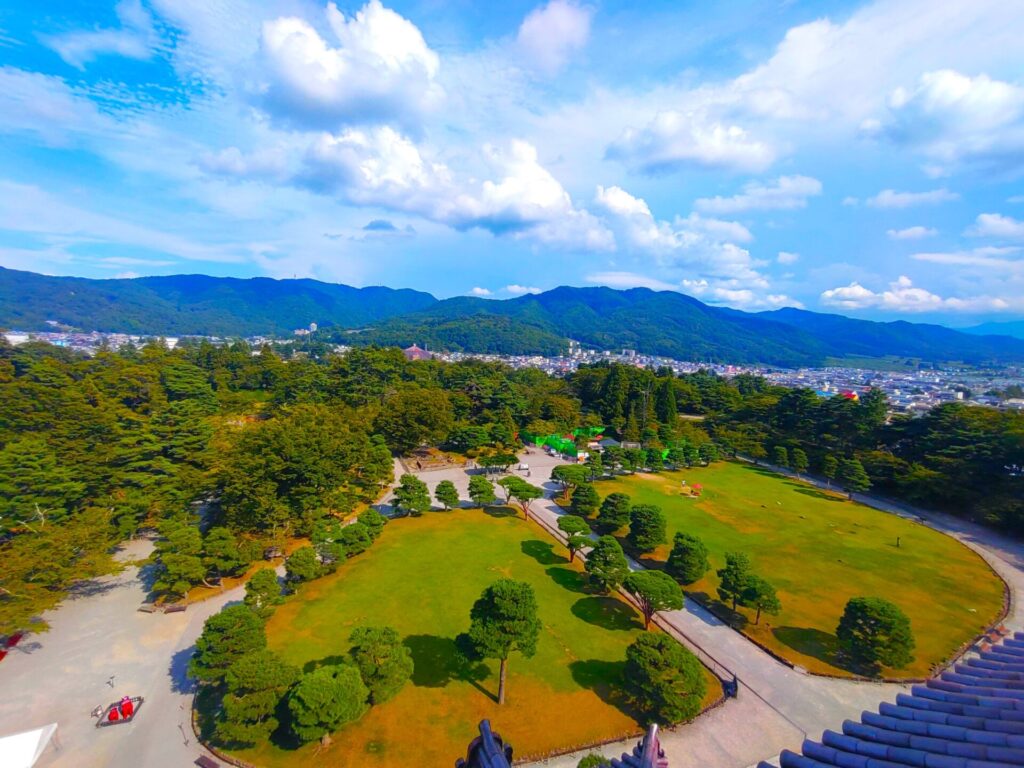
(674, 140)
(784, 194)
(381, 167)
(785, 257)
(956, 120)
(716, 269)
(134, 39)
(552, 33)
(377, 69)
(478, 291)
(519, 290)
(890, 198)
(912, 233)
(902, 296)
(997, 226)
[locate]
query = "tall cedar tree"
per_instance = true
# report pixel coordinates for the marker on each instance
(447, 494)
(646, 527)
(614, 512)
(584, 500)
(663, 679)
(263, 592)
(875, 633)
(383, 661)
(504, 620)
(607, 564)
(688, 560)
(481, 491)
(734, 578)
(326, 699)
(256, 683)
(226, 637)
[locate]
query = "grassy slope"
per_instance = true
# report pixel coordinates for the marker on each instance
(819, 550)
(422, 577)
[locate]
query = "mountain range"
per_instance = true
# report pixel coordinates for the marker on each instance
(654, 322)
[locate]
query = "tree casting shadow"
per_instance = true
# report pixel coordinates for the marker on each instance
(816, 494)
(543, 552)
(437, 661)
(607, 613)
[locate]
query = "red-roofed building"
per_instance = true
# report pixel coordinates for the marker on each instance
(415, 353)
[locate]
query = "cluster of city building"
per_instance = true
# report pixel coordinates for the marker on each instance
(909, 391)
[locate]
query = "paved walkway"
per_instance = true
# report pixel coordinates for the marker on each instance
(100, 648)
(98, 637)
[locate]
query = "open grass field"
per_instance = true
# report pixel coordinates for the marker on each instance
(819, 550)
(422, 577)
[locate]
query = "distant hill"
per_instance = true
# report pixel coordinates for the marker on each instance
(655, 322)
(194, 304)
(1015, 329)
(661, 323)
(844, 336)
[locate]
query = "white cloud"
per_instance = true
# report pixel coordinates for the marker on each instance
(552, 33)
(992, 259)
(519, 290)
(851, 201)
(902, 296)
(890, 198)
(134, 39)
(785, 194)
(912, 233)
(674, 140)
(1015, 199)
(997, 226)
(623, 280)
(478, 291)
(785, 257)
(954, 120)
(382, 70)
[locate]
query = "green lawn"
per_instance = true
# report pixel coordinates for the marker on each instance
(422, 577)
(819, 550)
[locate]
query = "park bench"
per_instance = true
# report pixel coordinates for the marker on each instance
(175, 607)
(148, 608)
(206, 762)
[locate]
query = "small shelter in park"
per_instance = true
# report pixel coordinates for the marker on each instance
(22, 750)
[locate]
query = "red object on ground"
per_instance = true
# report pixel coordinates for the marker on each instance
(14, 639)
(114, 715)
(127, 708)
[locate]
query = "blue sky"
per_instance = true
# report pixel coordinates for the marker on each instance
(865, 158)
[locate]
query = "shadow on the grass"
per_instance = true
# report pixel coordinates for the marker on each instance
(607, 613)
(574, 581)
(605, 679)
(543, 552)
(822, 646)
(501, 511)
(438, 661)
(816, 494)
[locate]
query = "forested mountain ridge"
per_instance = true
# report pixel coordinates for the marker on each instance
(194, 304)
(848, 336)
(664, 323)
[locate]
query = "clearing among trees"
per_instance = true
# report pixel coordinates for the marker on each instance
(818, 550)
(422, 577)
